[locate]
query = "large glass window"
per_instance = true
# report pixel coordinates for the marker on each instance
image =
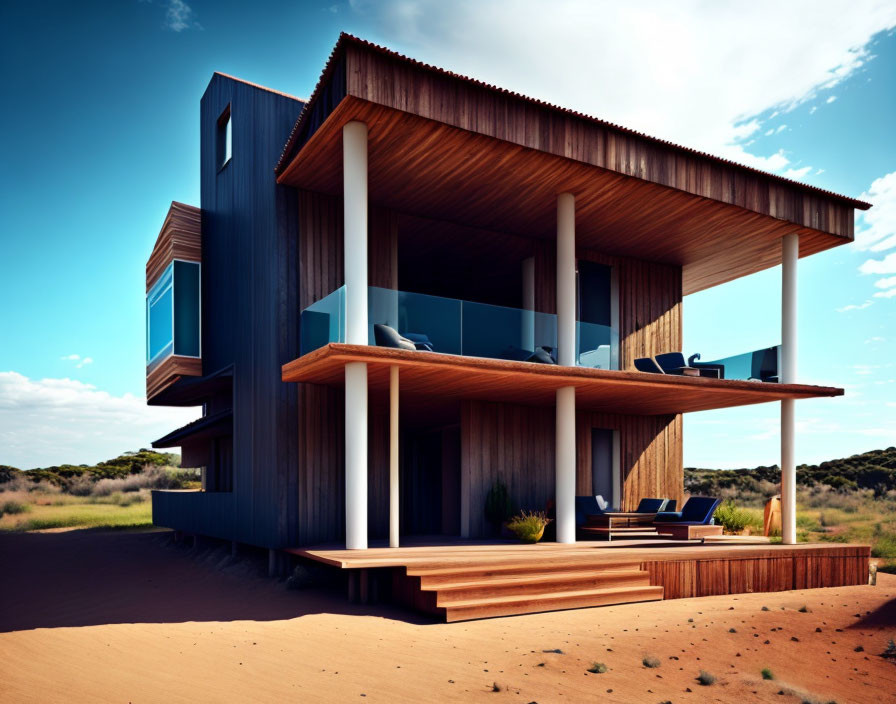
(172, 313)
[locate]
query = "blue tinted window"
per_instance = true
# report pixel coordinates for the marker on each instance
(160, 317)
(186, 308)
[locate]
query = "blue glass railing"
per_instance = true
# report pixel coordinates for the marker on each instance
(452, 326)
(759, 365)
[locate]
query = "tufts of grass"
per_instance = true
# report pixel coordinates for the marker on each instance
(706, 679)
(598, 668)
(767, 674)
(12, 507)
(735, 519)
(79, 515)
(650, 661)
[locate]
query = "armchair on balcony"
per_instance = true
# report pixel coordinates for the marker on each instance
(673, 363)
(386, 336)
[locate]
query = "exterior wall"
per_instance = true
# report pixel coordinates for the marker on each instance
(515, 443)
(249, 317)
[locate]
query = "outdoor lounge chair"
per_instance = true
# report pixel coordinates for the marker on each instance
(648, 506)
(386, 336)
(673, 363)
(693, 521)
(648, 364)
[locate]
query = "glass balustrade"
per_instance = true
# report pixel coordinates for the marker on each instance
(451, 326)
(759, 365)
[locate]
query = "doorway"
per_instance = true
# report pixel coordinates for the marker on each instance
(605, 465)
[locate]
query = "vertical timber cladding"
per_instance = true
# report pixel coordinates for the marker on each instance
(650, 323)
(515, 444)
(321, 418)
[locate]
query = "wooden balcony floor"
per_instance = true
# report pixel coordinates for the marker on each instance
(448, 376)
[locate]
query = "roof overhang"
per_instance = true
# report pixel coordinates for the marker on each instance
(446, 377)
(451, 148)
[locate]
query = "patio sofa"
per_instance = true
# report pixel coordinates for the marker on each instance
(694, 521)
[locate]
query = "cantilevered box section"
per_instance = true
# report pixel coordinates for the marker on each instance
(173, 301)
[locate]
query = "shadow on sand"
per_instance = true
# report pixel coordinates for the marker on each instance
(90, 577)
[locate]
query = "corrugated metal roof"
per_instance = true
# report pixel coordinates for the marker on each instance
(345, 38)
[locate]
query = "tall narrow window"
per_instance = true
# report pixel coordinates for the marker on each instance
(224, 138)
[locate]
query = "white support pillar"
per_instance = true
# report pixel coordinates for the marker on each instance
(393, 457)
(566, 279)
(354, 155)
(790, 247)
(565, 459)
(566, 465)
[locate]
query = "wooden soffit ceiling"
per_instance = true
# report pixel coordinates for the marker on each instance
(428, 168)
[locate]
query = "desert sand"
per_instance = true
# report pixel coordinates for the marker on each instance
(89, 616)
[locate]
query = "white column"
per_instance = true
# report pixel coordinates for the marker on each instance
(566, 279)
(393, 457)
(354, 154)
(565, 459)
(790, 247)
(566, 465)
(356, 456)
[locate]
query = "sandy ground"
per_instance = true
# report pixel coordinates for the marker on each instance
(128, 617)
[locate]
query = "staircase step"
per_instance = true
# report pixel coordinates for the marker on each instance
(555, 601)
(521, 585)
(445, 574)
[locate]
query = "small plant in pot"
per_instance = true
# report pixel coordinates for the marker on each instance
(498, 508)
(529, 526)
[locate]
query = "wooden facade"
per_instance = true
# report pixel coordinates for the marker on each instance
(463, 180)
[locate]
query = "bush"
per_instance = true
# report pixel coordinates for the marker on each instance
(705, 678)
(529, 526)
(650, 661)
(734, 519)
(11, 507)
(598, 668)
(767, 674)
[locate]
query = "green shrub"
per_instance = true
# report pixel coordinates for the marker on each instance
(734, 519)
(767, 674)
(529, 526)
(12, 507)
(498, 508)
(598, 668)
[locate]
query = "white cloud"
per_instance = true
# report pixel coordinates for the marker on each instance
(71, 357)
(180, 16)
(797, 174)
(831, 99)
(887, 265)
(854, 306)
(86, 360)
(53, 421)
(876, 338)
(886, 283)
(707, 76)
(886, 294)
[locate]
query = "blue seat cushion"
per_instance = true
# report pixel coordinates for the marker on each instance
(651, 505)
(698, 510)
(586, 506)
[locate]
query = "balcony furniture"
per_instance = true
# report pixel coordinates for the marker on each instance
(542, 355)
(673, 363)
(638, 523)
(692, 362)
(648, 364)
(694, 521)
(386, 336)
(649, 506)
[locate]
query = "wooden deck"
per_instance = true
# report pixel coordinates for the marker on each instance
(467, 581)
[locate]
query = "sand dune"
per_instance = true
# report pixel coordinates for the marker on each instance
(127, 617)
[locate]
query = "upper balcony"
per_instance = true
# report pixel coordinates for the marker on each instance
(452, 349)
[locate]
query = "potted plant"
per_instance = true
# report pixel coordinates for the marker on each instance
(498, 508)
(528, 526)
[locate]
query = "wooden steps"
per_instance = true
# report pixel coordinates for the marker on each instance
(487, 590)
(552, 601)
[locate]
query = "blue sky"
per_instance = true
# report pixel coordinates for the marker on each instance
(100, 133)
